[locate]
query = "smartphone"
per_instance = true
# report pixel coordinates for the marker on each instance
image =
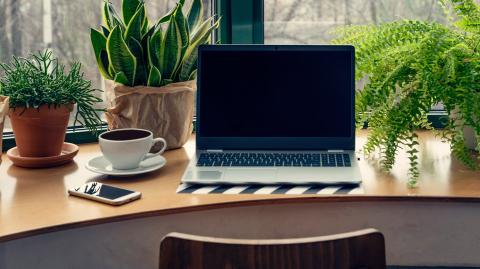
(105, 193)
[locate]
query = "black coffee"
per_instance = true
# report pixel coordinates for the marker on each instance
(120, 135)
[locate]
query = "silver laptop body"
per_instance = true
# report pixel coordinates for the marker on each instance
(267, 127)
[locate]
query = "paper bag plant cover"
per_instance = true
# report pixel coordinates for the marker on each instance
(3, 112)
(166, 111)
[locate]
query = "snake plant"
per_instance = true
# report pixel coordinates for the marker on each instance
(131, 50)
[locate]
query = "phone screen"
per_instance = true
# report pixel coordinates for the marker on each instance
(102, 190)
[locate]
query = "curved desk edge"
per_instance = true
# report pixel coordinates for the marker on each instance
(245, 203)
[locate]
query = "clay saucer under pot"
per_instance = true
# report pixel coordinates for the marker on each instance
(68, 153)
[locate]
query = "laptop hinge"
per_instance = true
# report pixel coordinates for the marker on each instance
(214, 150)
(335, 150)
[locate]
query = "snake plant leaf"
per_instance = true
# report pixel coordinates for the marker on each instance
(104, 60)
(154, 44)
(145, 25)
(148, 34)
(169, 15)
(106, 16)
(134, 28)
(129, 8)
(191, 54)
(99, 43)
(195, 14)
(111, 18)
(189, 65)
(166, 81)
(170, 50)
(137, 51)
(193, 75)
(120, 56)
(121, 78)
(110, 69)
(182, 25)
(154, 77)
(203, 29)
(105, 31)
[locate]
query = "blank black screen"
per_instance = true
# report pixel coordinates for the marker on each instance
(104, 191)
(278, 93)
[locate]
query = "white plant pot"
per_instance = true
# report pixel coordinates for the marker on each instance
(468, 133)
(470, 138)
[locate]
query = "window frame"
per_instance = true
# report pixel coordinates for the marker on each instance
(242, 22)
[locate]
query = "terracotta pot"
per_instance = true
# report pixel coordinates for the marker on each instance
(40, 132)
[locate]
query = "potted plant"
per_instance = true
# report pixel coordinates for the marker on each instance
(42, 94)
(152, 67)
(409, 66)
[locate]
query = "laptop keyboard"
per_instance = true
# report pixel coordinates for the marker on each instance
(274, 159)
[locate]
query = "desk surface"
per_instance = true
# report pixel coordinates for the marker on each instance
(35, 201)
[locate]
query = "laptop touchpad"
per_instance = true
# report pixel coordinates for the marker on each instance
(250, 174)
(204, 175)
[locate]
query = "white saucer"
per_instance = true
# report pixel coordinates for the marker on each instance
(102, 166)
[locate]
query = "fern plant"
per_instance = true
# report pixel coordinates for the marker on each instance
(133, 51)
(409, 66)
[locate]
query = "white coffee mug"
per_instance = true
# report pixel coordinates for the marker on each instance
(126, 148)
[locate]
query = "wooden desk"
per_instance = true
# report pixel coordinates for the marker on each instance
(35, 202)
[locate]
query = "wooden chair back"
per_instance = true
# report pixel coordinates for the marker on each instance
(360, 249)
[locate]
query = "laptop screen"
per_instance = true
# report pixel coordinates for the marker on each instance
(276, 92)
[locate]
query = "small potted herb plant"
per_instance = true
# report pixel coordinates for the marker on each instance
(42, 94)
(409, 66)
(151, 67)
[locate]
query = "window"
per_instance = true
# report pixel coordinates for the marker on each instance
(311, 21)
(64, 26)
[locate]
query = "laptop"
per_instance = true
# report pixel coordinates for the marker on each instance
(275, 114)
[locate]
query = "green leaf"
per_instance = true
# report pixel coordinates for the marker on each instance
(182, 25)
(106, 16)
(145, 25)
(154, 77)
(99, 41)
(204, 29)
(166, 18)
(137, 51)
(105, 31)
(129, 8)
(110, 69)
(169, 15)
(189, 65)
(121, 78)
(171, 50)
(99, 44)
(193, 75)
(154, 44)
(166, 82)
(120, 56)
(195, 14)
(134, 28)
(111, 18)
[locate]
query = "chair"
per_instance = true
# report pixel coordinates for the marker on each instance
(360, 249)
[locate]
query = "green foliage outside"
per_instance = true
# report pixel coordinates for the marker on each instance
(408, 66)
(41, 80)
(132, 51)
